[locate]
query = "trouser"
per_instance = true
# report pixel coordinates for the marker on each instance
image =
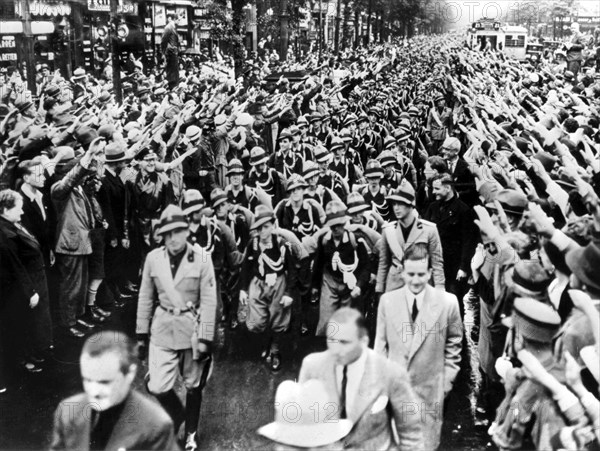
(115, 265)
(41, 321)
(172, 69)
(301, 292)
(265, 312)
(73, 271)
(457, 288)
(334, 295)
(164, 366)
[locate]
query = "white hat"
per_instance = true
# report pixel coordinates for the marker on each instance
(296, 421)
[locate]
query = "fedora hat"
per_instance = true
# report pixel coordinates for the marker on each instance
(304, 429)
(322, 155)
(336, 143)
(535, 320)
(356, 204)
(258, 156)
(192, 201)
(244, 120)
(114, 152)
(235, 167)
(584, 263)
(193, 133)
(350, 119)
(262, 215)
(512, 201)
(389, 142)
(172, 218)
(296, 181)
(78, 74)
(310, 169)
(387, 158)
(285, 134)
(218, 197)
(373, 169)
(404, 194)
(336, 213)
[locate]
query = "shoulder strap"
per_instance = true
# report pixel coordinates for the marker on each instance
(392, 240)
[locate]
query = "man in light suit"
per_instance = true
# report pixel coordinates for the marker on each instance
(110, 414)
(372, 392)
(420, 328)
(398, 236)
(181, 277)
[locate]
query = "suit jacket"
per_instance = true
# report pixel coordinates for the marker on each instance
(422, 232)
(74, 214)
(143, 424)
(194, 283)
(458, 233)
(35, 223)
(464, 183)
(382, 380)
(429, 349)
(113, 197)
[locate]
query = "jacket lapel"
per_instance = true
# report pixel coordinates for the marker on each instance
(426, 321)
(123, 426)
(184, 267)
(415, 232)
(368, 390)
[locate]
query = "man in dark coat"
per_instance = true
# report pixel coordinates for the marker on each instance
(110, 414)
(169, 45)
(458, 234)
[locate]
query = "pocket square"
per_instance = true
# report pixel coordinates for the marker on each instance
(380, 404)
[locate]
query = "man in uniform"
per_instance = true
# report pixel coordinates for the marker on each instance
(267, 276)
(285, 160)
(182, 278)
(396, 237)
(341, 266)
(264, 177)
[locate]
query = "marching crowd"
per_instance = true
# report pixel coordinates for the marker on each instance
(393, 187)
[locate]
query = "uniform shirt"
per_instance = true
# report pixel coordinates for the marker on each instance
(354, 374)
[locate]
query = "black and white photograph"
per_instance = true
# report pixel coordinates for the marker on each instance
(300, 225)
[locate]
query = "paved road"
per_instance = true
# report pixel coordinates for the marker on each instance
(238, 399)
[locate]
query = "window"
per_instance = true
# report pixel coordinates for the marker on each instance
(514, 41)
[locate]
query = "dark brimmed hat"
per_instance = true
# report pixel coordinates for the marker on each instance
(23, 105)
(512, 201)
(584, 262)
(285, 134)
(258, 156)
(262, 215)
(192, 201)
(335, 212)
(535, 320)
(172, 218)
(218, 197)
(356, 203)
(532, 277)
(146, 154)
(404, 194)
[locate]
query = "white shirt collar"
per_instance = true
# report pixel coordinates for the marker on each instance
(29, 192)
(410, 298)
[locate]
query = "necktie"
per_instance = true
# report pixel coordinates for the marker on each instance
(415, 310)
(343, 394)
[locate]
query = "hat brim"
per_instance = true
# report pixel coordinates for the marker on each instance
(178, 225)
(293, 186)
(123, 158)
(574, 260)
(193, 209)
(218, 202)
(235, 172)
(358, 209)
(309, 436)
(401, 200)
(337, 221)
(259, 222)
(261, 161)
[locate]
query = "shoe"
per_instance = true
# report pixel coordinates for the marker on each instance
(2, 389)
(233, 325)
(75, 333)
(99, 311)
(303, 330)
(190, 442)
(95, 318)
(275, 361)
(85, 324)
(126, 296)
(30, 367)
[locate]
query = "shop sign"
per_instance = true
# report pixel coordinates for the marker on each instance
(124, 7)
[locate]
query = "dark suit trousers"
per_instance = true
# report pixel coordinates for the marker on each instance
(73, 270)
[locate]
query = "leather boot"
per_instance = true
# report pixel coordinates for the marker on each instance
(193, 404)
(171, 403)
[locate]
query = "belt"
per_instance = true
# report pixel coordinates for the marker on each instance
(174, 311)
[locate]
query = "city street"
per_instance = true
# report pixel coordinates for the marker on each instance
(238, 399)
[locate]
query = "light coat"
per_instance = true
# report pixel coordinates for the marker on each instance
(194, 282)
(371, 421)
(429, 349)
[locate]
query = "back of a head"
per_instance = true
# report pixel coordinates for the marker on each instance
(417, 251)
